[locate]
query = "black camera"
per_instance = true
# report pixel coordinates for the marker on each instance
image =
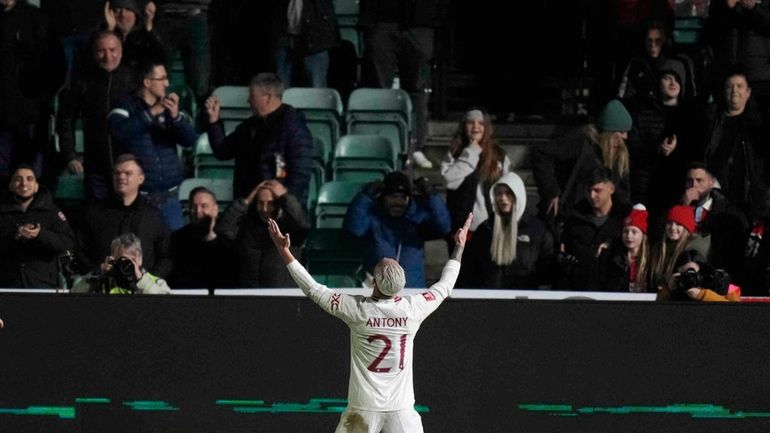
(123, 273)
(689, 279)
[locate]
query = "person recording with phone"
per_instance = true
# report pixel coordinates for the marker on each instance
(33, 233)
(122, 272)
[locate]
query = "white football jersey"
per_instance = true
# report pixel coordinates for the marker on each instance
(381, 337)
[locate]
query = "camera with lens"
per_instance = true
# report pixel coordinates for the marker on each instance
(123, 273)
(689, 279)
(708, 277)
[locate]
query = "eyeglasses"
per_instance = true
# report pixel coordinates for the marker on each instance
(159, 79)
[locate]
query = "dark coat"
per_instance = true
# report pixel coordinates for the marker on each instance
(254, 145)
(563, 166)
(32, 263)
(741, 37)
(534, 251)
(658, 180)
(419, 13)
(109, 219)
(734, 154)
(152, 139)
(201, 263)
(581, 238)
(31, 65)
(319, 25)
(260, 263)
(728, 229)
(92, 95)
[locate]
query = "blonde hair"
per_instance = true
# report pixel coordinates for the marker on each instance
(389, 276)
(643, 263)
(614, 158)
(664, 258)
(505, 232)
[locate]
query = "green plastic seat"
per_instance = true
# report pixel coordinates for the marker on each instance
(332, 251)
(70, 190)
(234, 105)
(206, 165)
(363, 158)
(385, 112)
(322, 109)
(333, 200)
(222, 188)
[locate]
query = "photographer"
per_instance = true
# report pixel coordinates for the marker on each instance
(122, 272)
(395, 222)
(33, 233)
(695, 279)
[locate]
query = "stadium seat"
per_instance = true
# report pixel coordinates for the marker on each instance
(385, 112)
(336, 281)
(206, 165)
(363, 158)
(70, 190)
(333, 200)
(221, 187)
(322, 109)
(234, 103)
(333, 251)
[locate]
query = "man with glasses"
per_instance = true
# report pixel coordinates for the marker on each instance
(149, 125)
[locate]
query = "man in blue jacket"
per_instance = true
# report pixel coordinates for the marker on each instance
(149, 124)
(395, 223)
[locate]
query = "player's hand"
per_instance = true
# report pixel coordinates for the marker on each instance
(280, 240)
(462, 233)
(1, 324)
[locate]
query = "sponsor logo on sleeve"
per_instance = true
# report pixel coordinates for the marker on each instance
(335, 301)
(429, 296)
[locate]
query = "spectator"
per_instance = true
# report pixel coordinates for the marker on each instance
(92, 94)
(510, 249)
(31, 71)
(625, 264)
(122, 272)
(183, 25)
(695, 279)
(126, 212)
(716, 218)
(73, 22)
(678, 235)
(303, 33)
(734, 146)
(33, 234)
(395, 223)
(150, 125)
(135, 26)
(739, 38)
(639, 78)
(201, 257)
(274, 143)
(472, 165)
(663, 139)
(398, 36)
(595, 222)
(260, 263)
(562, 167)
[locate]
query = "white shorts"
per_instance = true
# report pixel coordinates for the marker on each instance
(362, 421)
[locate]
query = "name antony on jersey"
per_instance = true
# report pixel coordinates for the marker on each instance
(386, 322)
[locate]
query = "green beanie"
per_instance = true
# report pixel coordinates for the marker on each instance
(614, 118)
